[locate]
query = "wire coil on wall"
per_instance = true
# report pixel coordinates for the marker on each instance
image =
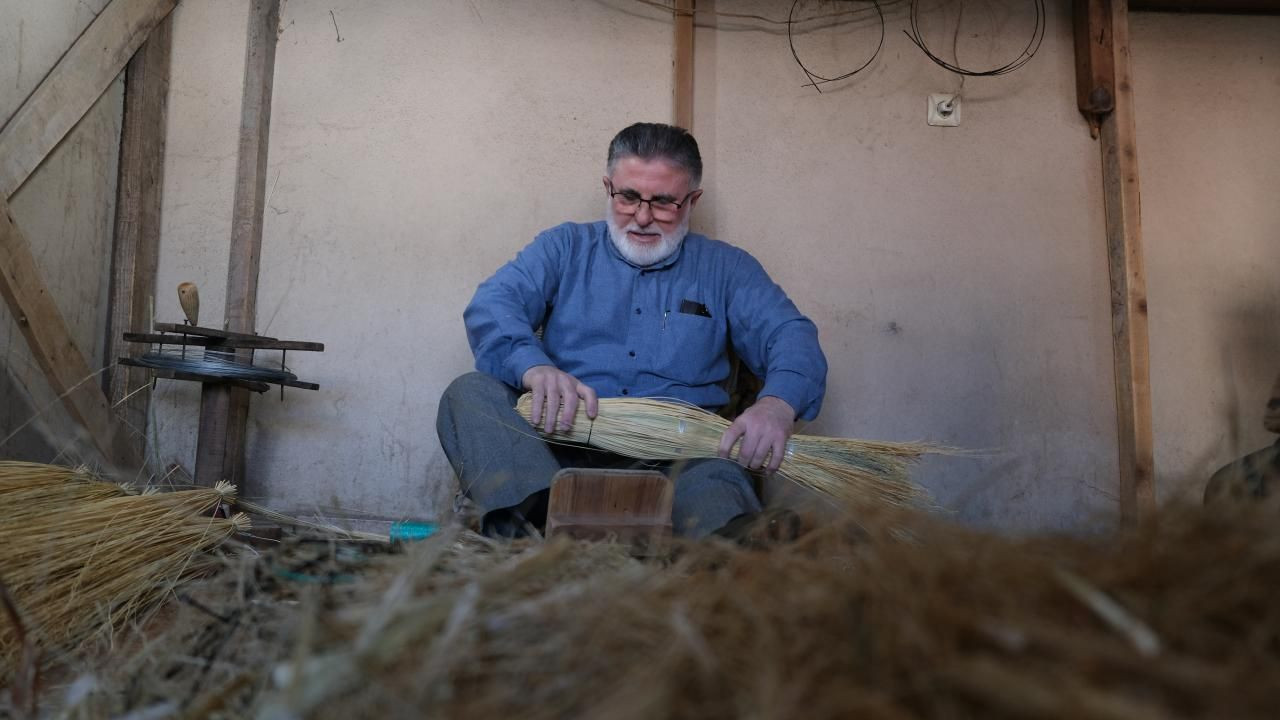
(816, 80)
(1028, 52)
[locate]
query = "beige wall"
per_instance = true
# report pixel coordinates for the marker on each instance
(958, 275)
(407, 162)
(1208, 99)
(65, 210)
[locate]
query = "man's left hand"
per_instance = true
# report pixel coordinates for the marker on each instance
(764, 429)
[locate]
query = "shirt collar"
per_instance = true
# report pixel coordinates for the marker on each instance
(665, 263)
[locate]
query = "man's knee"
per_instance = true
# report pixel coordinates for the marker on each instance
(474, 386)
(718, 468)
(471, 394)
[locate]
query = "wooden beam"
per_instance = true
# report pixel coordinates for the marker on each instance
(224, 411)
(1252, 7)
(46, 332)
(73, 86)
(683, 64)
(136, 249)
(1122, 201)
(1095, 61)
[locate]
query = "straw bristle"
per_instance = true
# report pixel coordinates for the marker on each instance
(892, 614)
(848, 471)
(241, 522)
(79, 555)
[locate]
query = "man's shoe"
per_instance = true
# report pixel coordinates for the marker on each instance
(762, 530)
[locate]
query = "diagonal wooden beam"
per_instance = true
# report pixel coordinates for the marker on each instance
(73, 86)
(136, 247)
(46, 331)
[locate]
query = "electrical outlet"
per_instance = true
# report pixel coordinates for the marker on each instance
(944, 110)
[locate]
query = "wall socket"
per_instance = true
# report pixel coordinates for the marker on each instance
(944, 110)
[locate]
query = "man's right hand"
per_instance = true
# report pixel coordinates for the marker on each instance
(554, 389)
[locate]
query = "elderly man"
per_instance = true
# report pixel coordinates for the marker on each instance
(634, 305)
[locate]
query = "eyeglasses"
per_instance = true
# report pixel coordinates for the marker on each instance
(661, 206)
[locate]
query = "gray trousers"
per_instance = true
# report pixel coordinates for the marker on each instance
(501, 462)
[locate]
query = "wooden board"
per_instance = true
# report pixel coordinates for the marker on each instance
(1095, 60)
(1258, 7)
(211, 332)
(1122, 201)
(136, 247)
(205, 341)
(224, 411)
(625, 504)
(252, 385)
(46, 332)
(683, 64)
(74, 85)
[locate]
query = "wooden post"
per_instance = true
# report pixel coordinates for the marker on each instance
(683, 64)
(223, 409)
(1095, 61)
(1122, 201)
(46, 332)
(137, 229)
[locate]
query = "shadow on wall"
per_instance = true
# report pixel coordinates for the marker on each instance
(1249, 352)
(29, 442)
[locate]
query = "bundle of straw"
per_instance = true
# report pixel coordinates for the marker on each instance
(79, 556)
(848, 471)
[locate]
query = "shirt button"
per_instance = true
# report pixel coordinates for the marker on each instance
(626, 391)
(637, 311)
(632, 353)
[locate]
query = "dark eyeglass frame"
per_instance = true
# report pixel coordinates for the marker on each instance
(613, 194)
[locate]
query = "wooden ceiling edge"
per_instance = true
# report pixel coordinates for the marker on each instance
(1224, 7)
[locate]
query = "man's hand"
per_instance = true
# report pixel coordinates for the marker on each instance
(764, 428)
(554, 389)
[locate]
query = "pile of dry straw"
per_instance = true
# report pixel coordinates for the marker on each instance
(891, 614)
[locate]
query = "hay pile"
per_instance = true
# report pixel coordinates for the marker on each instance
(893, 616)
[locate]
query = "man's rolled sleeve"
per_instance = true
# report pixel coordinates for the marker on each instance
(802, 394)
(519, 362)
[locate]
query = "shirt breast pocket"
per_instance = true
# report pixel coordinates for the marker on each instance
(691, 346)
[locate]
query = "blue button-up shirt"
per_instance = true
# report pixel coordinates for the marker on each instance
(658, 331)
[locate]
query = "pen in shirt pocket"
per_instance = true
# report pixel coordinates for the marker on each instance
(664, 319)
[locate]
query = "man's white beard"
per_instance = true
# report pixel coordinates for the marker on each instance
(645, 254)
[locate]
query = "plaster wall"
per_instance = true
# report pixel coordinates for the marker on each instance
(958, 275)
(65, 210)
(408, 160)
(1208, 95)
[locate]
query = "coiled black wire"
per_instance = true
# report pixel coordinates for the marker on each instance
(1028, 52)
(814, 78)
(217, 363)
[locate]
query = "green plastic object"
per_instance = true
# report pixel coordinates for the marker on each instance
(412, 531)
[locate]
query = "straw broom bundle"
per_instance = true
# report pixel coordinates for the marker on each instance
(80, 556)
(848, 471)
(23, 482)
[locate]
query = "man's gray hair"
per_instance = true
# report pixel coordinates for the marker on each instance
(656, 141)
